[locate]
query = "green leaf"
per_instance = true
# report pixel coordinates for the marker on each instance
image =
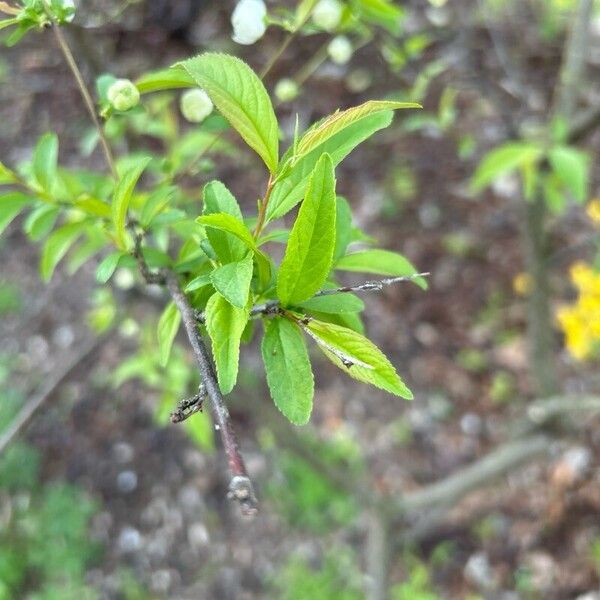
(343, 227)
(380, 12)
(289, 374)
(40, 221)
(198, 282)
(309, 251)
(380, 262)
(241, 98)
(502, 160)
(93, 206)
(303, 10)
(225, 324)
(340, 120)
(6, 175)
(8, 22)
(45, 157)
(57, 245)
(157, 201)
(233, 281)
(108, 266)
(341, 303)
(218, 199)
(230, 224)
(357, 356)
(96, 240)
(571, 166)
(165, 79)
(122, 197)
(290, 186)
(11, 205)
(168, 325)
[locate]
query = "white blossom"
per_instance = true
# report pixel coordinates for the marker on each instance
(248, 21)
(340, 50)
(327, 14)
(195, 105)
(68, 10)
(123, 94)
(286, 89)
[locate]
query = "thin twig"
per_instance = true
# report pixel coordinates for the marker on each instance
(272, 307)
(189, 406)
(52, 383)
(240, 485)
(85, 94)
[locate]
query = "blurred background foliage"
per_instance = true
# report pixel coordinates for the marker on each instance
(492, 187)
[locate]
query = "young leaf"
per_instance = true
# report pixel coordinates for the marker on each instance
(165, 79)
(379, 262)
(289, 374)
(198, 282)
(343, 227)
(96, 240)
(108, 265)
(157, 201)
(230, 224)
(6, 175)
(502, 160)
(335, 304)
(57, 245)
(233, 281)
(45, 157)
(340, 120)
(40, 221)
(218, 199)
(571, 167)
(122, 197)
(241, 98)
(11, 205)
(357, 356)
(289, 188)
(168, 325)
(93, 206)
(225, 324)
(381, 12)
(309, 252)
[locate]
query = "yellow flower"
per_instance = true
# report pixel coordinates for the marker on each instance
(580, 321)
(522, 284)
(593, 210)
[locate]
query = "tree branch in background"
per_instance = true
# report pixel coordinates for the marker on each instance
(53, 382)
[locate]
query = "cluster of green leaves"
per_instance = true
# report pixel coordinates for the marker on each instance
(220, 256)
(34, 14)
(560, 170)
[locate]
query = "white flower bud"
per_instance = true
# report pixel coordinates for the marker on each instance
(327, 14)
(286, 90)
(340, 50)
(123, 94)
(195, 105)
(248, 21)
(68, 7)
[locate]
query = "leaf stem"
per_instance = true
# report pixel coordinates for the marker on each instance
(262, 210)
